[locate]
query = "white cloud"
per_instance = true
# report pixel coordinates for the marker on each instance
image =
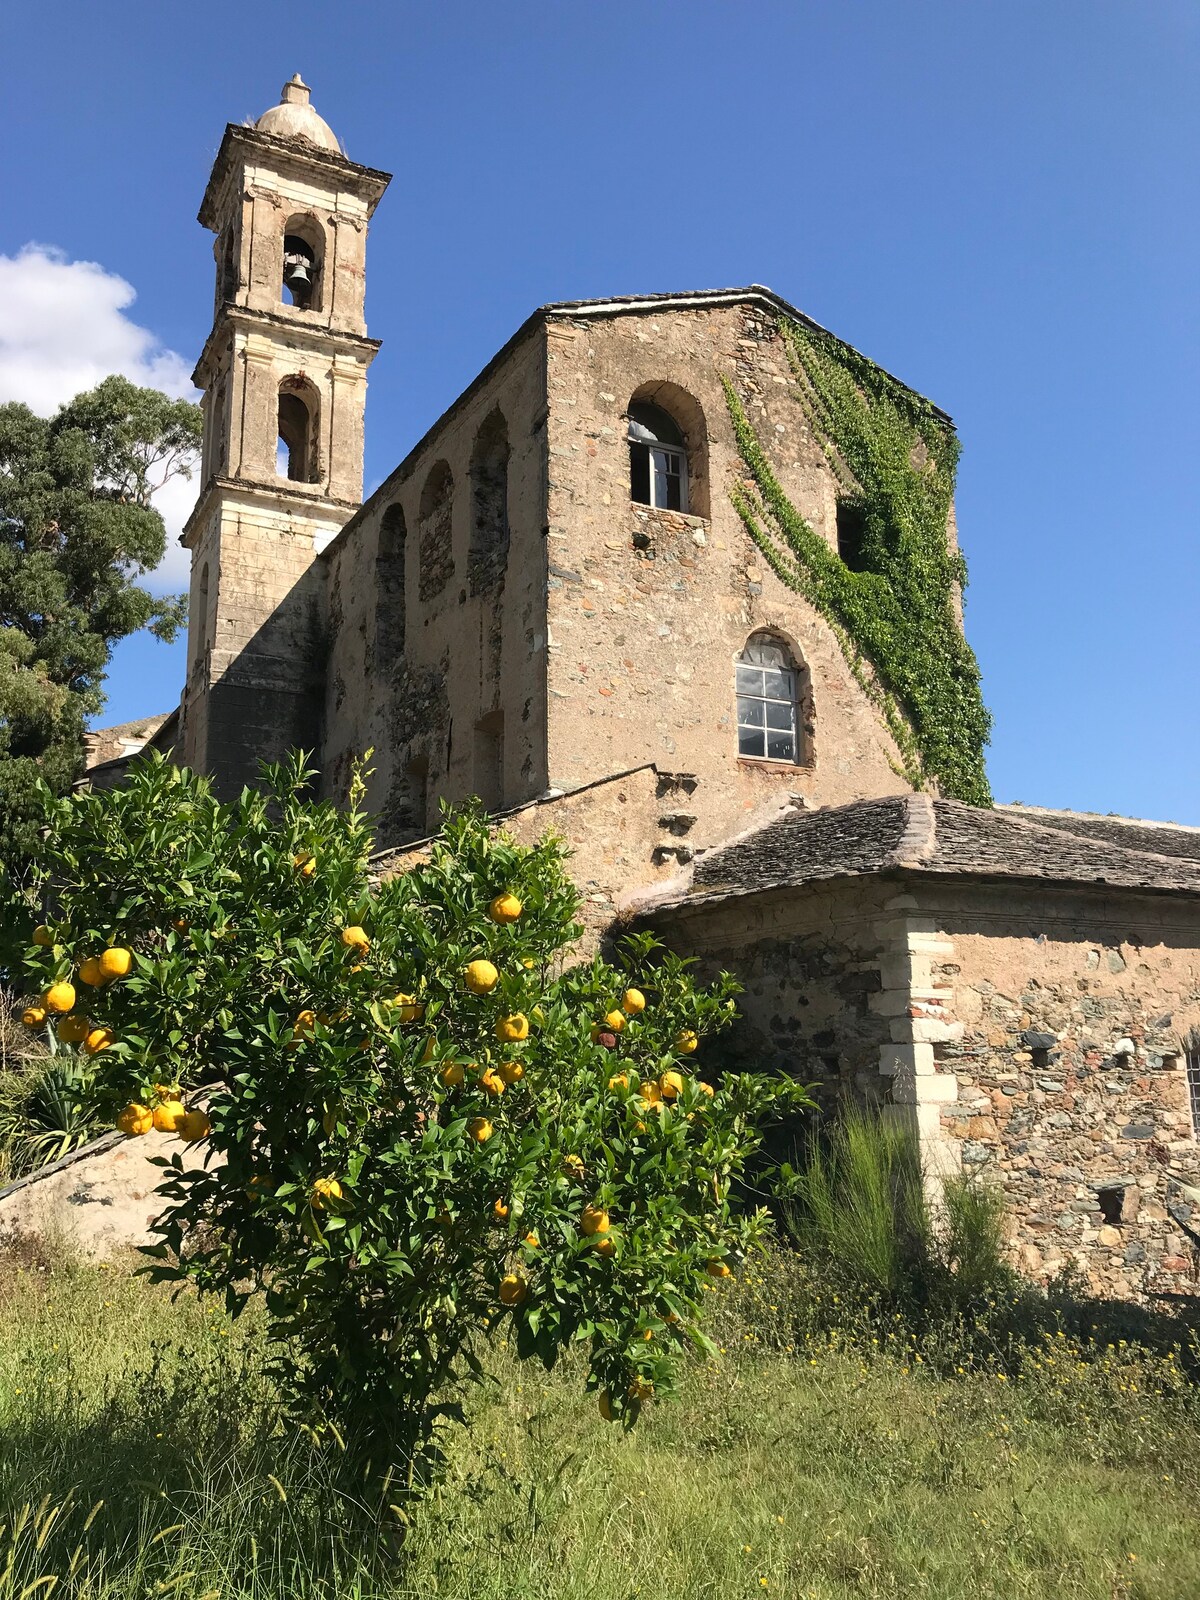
(63, 327)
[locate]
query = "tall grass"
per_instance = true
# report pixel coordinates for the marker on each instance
(142, 1455)
(861, 1212)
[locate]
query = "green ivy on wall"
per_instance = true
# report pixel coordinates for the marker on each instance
(894, 614)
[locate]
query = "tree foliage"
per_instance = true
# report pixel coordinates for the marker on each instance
(77, 529)
(406, 1157)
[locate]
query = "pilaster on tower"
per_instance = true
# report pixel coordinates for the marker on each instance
(284, 375)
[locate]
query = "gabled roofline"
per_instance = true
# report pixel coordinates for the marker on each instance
(612, 306)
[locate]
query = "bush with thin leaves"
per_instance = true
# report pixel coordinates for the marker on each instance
(860, 1209)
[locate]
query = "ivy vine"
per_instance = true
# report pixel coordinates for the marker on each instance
(895, 614)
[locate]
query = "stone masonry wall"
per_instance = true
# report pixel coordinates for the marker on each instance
(812, 963)
(462, 712)
(648, 609)
(1074, 1011)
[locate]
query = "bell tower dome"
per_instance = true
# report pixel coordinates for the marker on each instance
(284, 380)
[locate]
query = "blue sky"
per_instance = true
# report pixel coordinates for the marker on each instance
(997, 201)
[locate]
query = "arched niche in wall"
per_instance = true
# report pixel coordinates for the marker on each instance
(488, 553)
(389, 589)
(435, 541)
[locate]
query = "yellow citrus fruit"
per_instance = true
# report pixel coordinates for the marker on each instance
(408, 1008)
(500, 1210)
(505, 908)
(641, 1389)
(605, 1244)
(633, 1001)
(480, 1129)
(619, 1080)
(606, 1406)
(116, 962)
(687, 1042)
(452, 1074)
(716, 1268)
(705, 1088)
(594, 1220)
(532, 1240)
(573, 1166)
(73, 1030)
(527, 962)
(355, 938)
(304, 1023)
(59, 997)
(481, 977)
(650, 1093)
(511, 1030)
(671, 1084)
(323, 1191)
(91, 972)
(194, 1125)
(430, 1048)
(33, 1016)
(513, 1289)
(511, 1071)
(491, 1081)
(181, 925)
(135, 1119)
(168, 1114)
(614, 1021)
(305, 863)
(98, 1039)
(43, 935)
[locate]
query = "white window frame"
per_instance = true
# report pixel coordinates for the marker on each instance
(764, 699)
(670, 453)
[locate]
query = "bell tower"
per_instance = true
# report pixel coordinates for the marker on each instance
(284, 376)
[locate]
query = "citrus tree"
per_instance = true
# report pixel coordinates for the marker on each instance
(421, 1124)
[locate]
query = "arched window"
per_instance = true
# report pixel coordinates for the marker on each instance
(436, 532)
(658, 463)
(489, 503)
(214, 438)
(200, 620)
(303, 261)
(227, 277)
(768, 693)
(389, 589)
(297, 456)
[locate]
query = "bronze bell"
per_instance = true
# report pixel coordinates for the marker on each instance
(295, 276)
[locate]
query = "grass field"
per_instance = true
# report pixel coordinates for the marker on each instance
(140, 1455)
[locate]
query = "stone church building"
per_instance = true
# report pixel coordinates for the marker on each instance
(552, 603)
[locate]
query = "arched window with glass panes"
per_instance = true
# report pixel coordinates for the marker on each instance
(768, 695)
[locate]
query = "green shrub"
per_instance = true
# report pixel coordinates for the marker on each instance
(860, 1214)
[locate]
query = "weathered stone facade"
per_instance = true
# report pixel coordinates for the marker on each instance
(1023, 987)
(506, 616)
(1076, 1011)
